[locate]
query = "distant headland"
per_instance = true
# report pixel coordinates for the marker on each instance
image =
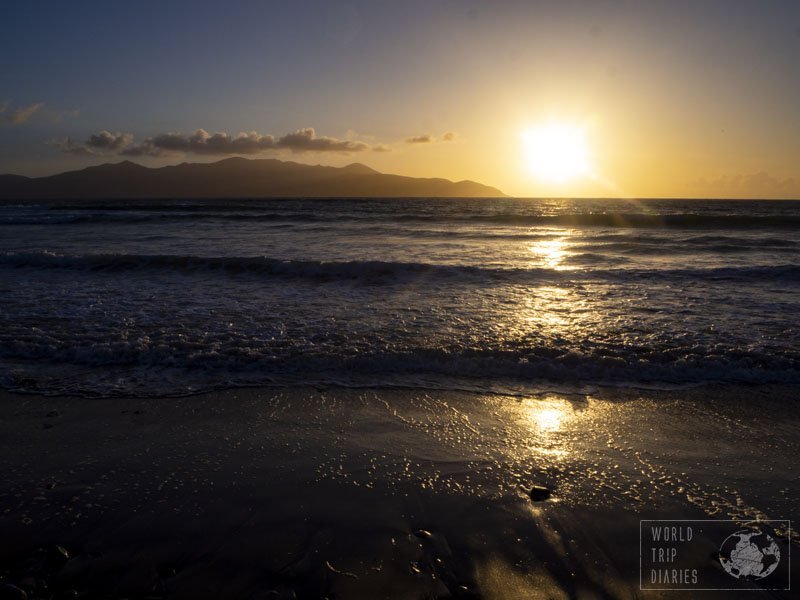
(235, 178)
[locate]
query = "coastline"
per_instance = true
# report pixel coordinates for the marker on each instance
(331, 492)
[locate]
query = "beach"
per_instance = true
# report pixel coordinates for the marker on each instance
(399, 300)
(398, 398)
(313, 492)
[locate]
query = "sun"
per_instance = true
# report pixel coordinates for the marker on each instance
(557, 152)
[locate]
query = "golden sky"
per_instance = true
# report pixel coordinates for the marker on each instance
(670, 99)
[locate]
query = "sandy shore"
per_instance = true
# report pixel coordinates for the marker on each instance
(312, 493)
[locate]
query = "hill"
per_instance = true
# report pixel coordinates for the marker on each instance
(235, 178)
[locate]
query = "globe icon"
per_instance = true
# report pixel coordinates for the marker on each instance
(749, 554)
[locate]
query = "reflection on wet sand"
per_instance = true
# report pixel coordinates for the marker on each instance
(375, 493)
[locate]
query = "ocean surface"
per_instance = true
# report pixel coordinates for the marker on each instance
(174, 297)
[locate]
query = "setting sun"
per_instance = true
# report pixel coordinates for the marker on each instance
(556, 152)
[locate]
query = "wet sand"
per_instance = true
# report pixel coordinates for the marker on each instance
(314, 493)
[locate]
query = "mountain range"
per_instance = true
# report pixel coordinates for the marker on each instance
(235, 178)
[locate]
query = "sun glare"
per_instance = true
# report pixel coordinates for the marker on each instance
(557, 152)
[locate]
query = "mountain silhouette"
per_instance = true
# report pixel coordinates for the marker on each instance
(235, 178)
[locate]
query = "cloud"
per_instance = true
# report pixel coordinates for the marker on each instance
(427, 138)
(420, 139)
(107, 141)
(23, 114)
(19, 115)
(758, 185)
(202, 142)
(102, 142)
(304, 140)
(70, 146)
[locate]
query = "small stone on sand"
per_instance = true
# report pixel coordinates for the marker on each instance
(423, 533)
(539, 493)
(57, 555)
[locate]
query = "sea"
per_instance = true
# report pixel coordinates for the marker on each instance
(176, 297)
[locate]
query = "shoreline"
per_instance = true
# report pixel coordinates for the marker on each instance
(314, 492)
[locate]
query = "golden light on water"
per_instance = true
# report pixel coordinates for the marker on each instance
(548, 419)
(546, 308)
(549, 252)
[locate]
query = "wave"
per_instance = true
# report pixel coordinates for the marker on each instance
(249, 212)
(382, 270)
(136, 217)
(160, 371)
(648, 221)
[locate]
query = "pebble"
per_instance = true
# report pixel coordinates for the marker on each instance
(423, 533)
(539, 493)
(57, 555)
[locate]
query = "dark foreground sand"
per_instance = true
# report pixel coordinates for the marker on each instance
(310, 493)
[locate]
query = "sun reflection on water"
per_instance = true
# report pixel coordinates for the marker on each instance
(551, 253)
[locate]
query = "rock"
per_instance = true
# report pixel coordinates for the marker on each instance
(539, 493)
(57, 556)
(12, 592)
(423, 533)
(54, 413)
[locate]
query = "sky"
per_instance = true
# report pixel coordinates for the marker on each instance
(669, 99)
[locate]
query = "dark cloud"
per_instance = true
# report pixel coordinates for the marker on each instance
(102, 142)
(427, 138)
(305, 140)
(70, 146)
(19, 115)
(202, 142)
(105, 141)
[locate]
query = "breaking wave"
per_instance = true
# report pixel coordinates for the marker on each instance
(372, 270)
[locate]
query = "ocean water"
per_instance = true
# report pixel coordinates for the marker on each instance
(173, 297)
